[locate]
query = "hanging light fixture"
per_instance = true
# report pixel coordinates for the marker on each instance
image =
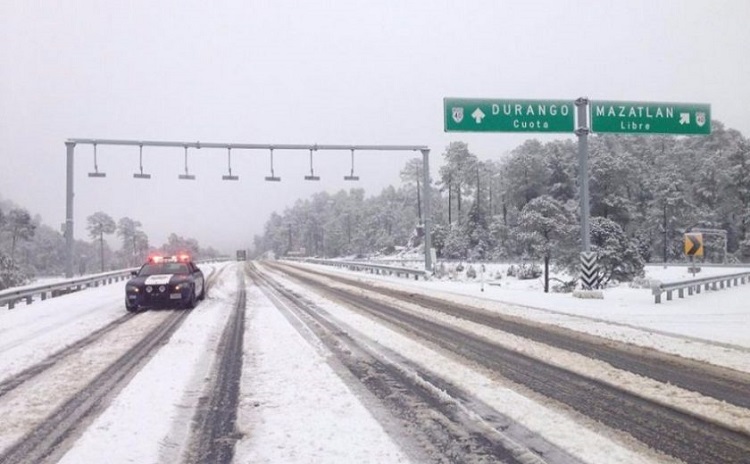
(96, 172)
(229, 165)
(141, 175)
(272, 178)
(187, 175)
(312, 175)
(352, 176)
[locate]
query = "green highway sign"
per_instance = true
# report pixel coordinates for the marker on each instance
(650, 118)
(485, 115)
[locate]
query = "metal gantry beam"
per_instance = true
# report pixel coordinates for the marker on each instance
(247, 146)
(70, 150)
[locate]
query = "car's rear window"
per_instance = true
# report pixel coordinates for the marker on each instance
(164, 268)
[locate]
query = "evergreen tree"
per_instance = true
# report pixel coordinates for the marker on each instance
(458, 174)
(19, 226)
(526, 174)
(456, 244)
(738, 190)
(45, 252)
(10, 274)
(610, 170)
(617, 255)
(129, 232)
(546, 229)
(412, 174)
(479, 238)
(100, 224)
(177, 244)
(561, 162)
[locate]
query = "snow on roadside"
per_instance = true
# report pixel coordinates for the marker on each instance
(294, 408)
(28, 334)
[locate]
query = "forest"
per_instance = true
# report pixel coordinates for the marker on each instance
(645, 193)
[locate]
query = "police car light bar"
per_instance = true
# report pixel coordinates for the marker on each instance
(182, 258)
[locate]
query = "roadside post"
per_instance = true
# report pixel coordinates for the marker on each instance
(481, 277)
(693, 246)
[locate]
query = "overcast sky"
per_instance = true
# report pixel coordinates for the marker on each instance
(335, 72)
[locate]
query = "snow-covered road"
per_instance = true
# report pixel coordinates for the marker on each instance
(296, 404)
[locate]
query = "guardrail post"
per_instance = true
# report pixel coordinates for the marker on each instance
(11, 304)
(698, 288)
(669, 295)
(690, 290)
(29, 299)
(681, 293)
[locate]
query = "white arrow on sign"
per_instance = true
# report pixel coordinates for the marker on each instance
(478, 115)
(684, 118)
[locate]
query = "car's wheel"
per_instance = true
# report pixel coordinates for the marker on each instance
(131, 308)
(202, 296)
(191, 301)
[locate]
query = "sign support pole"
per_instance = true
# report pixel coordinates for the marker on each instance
(589, 268)
(583, 169)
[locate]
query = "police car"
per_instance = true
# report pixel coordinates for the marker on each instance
(165, 282)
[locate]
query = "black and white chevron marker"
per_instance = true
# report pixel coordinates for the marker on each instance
(589, 270)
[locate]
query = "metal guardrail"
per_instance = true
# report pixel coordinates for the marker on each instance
(695, 285)
(697, 264)
(372, 268)
(13, 295)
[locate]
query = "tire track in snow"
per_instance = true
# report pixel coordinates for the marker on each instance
(433, 412)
